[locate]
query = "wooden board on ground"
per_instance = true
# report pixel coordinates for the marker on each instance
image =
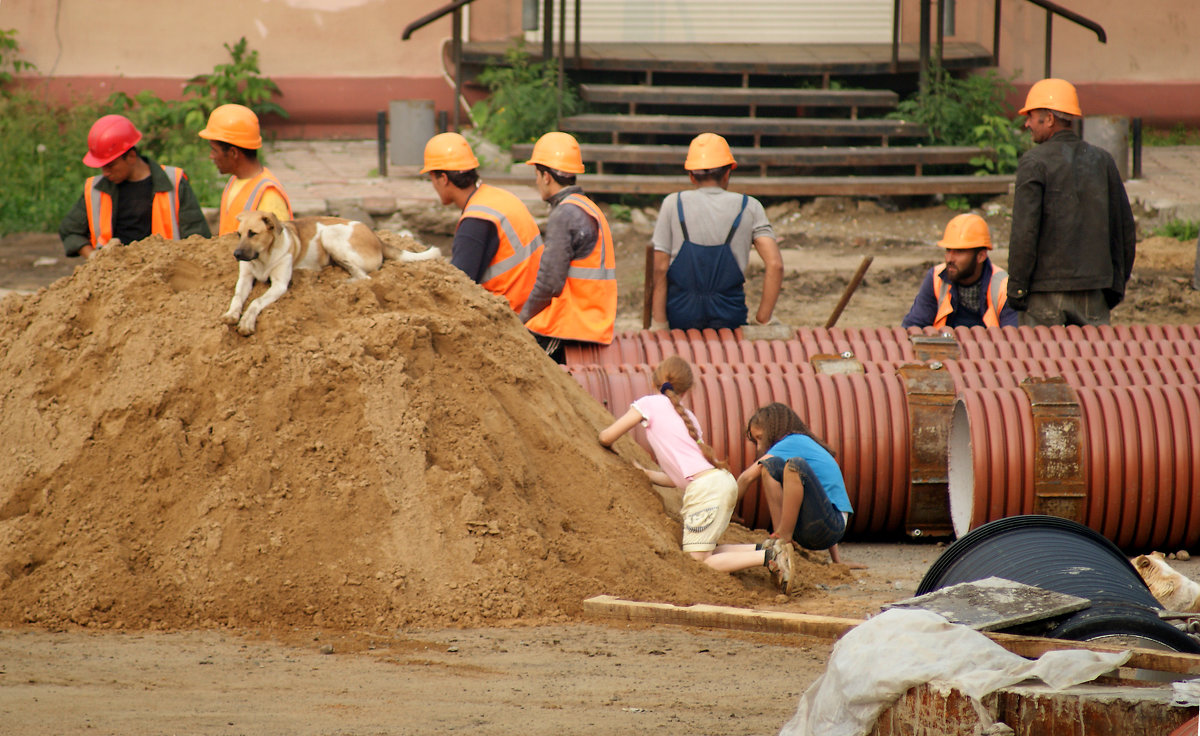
(830, 627)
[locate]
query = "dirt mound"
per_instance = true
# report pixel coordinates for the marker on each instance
(381, 453)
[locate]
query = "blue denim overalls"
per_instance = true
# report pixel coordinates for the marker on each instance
(704, 283)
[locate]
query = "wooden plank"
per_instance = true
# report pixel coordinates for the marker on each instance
(831, 627)
(780, 97)
(783, 156)
(745, 58)
(696, 124)
(794, 186)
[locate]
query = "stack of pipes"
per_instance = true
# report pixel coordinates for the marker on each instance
(940, 431)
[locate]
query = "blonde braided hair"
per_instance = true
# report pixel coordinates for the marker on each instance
(673, 376)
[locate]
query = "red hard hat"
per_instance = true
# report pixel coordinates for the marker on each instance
(109, 138)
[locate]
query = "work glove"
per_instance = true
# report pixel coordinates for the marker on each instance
(656, 325)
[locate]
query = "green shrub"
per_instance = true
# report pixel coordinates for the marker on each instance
(970, 111)
(42, 144)
(1178, 229)
(523, 103)
(1179, 135)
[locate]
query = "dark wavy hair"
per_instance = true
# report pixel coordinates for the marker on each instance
(778, 421)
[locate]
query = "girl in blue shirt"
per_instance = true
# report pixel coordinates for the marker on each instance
(803, 485)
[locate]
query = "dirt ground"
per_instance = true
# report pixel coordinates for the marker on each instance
(341, 526)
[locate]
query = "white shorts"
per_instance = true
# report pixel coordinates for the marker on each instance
(707, 507)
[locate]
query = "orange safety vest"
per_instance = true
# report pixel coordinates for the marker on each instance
(587, 306)
(997, 296)
(248, 198)
(164, 209)
(514, 268)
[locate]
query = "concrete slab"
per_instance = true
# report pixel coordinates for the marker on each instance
(994, 603)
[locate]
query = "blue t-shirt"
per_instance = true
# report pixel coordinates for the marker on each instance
(822, 463)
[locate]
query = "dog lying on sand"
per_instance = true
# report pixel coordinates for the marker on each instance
(1172, 589)
(269, 250)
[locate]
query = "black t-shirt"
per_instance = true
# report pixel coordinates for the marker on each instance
(475, 244)
(131, 221)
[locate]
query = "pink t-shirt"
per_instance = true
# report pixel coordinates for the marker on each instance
(676, 452)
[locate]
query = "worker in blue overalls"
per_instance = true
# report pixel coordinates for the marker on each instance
(702, 244)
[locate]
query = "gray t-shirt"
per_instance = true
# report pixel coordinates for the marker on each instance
(710, 212)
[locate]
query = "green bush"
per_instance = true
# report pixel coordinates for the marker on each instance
(523, 103)
(1179, 229)
(970, 111)
(42, 144)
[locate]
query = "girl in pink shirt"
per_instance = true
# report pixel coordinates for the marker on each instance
(709, 490)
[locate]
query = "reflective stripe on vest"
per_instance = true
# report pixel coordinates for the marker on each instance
(997, 296)
(513, 269)
(164, 209)
(248, 198)
(586, 307)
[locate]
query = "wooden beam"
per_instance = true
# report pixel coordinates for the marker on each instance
(696, 124)
(821, 156)
(831, 627)
(733, 96)
(793, 186)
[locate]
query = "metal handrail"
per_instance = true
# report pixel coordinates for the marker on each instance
(428, 18)
(1052, 9)
(456, 41)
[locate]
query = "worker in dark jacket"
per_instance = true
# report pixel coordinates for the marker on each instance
(967, 290)
(574, 299)
(133, 198)
(1073, 236)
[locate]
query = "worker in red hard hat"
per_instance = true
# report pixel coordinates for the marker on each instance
(133, 198)
(1073, 240)
(234, 140)
(968, 290)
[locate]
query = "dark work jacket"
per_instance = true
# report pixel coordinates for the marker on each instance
(1072, 227)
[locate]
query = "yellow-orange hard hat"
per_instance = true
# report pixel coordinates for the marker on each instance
(558, 151)
(236, 125)
(708, 151)
(1052, 94)
(449, 152)
(966, 231)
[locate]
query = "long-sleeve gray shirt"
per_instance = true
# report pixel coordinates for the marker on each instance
(570, 234)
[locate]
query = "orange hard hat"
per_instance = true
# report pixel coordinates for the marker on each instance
(110, 137)
(1052, 94)
(708, 151)
(449, 152)
(966, 231)
(558, 151)
(236, 125)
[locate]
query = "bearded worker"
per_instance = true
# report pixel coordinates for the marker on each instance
(967, 290)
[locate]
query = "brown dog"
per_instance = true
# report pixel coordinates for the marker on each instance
(1172, 589)
(268, 250)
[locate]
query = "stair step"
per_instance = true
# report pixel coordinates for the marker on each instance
(617, 153)
(696, 124)
(793, 186)
(770, 97)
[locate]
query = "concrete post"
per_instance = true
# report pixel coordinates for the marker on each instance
(1111, 133)
(412, 124)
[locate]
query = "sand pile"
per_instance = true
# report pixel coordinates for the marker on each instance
(383, 453)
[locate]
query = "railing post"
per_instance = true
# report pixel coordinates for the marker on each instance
(457, 43)
(895, 36)
(995, 32)
(941, 34)
(923, 74)
(1049, 35)
(547, 30)
(1136, 125)
(562, 55)
(579, 32)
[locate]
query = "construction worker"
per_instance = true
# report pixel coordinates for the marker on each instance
(574, 298)
(234, 139)
(967, 290)
(702, 244)
(1073, 236)
(496, 241)
(132, 198)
